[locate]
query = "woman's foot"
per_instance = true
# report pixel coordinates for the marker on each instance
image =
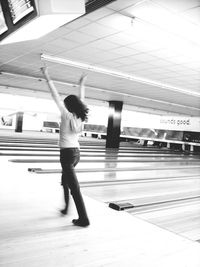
(63, 212)
(82, 223)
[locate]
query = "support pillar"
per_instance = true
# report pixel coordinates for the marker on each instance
(183, 147)
(191, 148)
(19, 122)
(114, 124)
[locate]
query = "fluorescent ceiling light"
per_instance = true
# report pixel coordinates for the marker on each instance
(116, 74)
(51, 15)
(102, 90)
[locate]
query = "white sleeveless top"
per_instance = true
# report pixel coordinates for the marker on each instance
(70, 128)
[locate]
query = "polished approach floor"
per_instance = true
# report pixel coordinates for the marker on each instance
(161, 230)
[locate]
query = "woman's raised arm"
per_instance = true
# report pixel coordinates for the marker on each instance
(82, 87)
(52, 89)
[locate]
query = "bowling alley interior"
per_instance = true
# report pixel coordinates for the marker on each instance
(134, 68)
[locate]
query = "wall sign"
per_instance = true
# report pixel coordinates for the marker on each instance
(3, 26)
(19, 9)
(15, 14)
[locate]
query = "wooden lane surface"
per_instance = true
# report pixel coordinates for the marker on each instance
(108, 160)
(110, 163)
(88, 149)
(92, 150)
(101, 150)
(86, 154)
(139, 167)
(86, 145)
(92, 176)
(182, 217)
(109, 168)
(155, 197)
(141, 191)
(32, 234)
(54, 139)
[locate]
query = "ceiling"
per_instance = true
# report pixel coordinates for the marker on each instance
(148, 51)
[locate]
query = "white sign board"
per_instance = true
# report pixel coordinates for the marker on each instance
(175, 123)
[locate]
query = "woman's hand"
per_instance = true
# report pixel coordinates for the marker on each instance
(82, 87)
(45, 72)
(83, 79)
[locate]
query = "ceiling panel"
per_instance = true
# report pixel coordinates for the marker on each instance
(178, 6)
(193, 15)
(120, 38)
(100, 40)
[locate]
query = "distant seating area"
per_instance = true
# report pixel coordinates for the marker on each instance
(95, 128)
(176, 140)
(50, 126)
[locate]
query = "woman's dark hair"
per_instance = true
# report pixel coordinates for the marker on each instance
(76, 106)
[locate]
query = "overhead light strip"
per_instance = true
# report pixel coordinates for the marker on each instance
(114, 73)
(101, 90)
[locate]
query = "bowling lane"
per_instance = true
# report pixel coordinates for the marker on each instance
(89, 162)
(90, 177)
(88, 158)
(88, 147)
(148, 191)
(21, 149)
(145, 177)
(182, 217)
(93, 153)
(129, 176)
(28, 147)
